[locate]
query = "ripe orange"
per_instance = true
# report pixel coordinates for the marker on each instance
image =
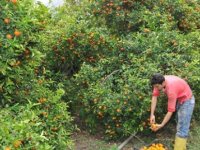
(7, 148)
(100, 107)
(42, 100)
(45, 114)
(122, 49)
(146, 30)
(113, 118)
(117, 125)
(17, 33)
(9, 36)
(154, 146)
(6, 20)
(27, 52)
(118, 110)
(63, 58)
(14, 1)
(17, 143)
(54, 129)
(100, 114)
(17, 63)
(40, 81)
(95, 100)
(153, 126)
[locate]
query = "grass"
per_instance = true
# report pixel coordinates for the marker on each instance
(85, 141)
(194, 139)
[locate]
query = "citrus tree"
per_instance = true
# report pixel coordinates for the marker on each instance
(33, 114)
(128, 41)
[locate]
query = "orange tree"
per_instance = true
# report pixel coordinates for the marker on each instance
(132, 16)
(33, 115)
(110, 86)
(105, 54)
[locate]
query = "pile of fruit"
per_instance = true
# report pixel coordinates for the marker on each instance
(154, 146)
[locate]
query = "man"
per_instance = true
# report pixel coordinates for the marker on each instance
(180, 99)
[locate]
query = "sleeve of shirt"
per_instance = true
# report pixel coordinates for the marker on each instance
(156, 92)
(172, 97)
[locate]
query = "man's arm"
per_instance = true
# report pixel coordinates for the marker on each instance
(153, 107)
(171, 107)
(165, 120)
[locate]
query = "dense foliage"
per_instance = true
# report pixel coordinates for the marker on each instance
(128, 42)
(33, 114)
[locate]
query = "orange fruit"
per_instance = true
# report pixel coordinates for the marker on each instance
(40, 81)
(17, 33)
(17, 63)
(122, 49)
(153, 126)
(146, 30)
(113, 118)
(17, 143)
(42, 100)
(27, 52)
(14, 1)
(100, 114)
(63, 58)
(7, 148)
(118, 110)
(45, 114)
(6, 20)
(95, 100)
(54, 129)
(9, 36)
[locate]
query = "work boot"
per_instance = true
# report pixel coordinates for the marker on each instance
(180, 143)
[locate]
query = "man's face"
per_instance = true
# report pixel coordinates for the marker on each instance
(158, 86)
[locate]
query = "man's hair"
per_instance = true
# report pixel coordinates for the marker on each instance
(157, 78)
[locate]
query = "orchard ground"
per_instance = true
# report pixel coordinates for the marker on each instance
(85, 141)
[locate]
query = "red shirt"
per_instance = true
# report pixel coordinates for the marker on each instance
(176, 89)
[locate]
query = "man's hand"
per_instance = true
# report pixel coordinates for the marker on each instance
(156, 127)
(152, 119)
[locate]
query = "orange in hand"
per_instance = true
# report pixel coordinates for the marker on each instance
(153, 126)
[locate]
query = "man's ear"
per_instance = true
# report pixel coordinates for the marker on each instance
(163, 83)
